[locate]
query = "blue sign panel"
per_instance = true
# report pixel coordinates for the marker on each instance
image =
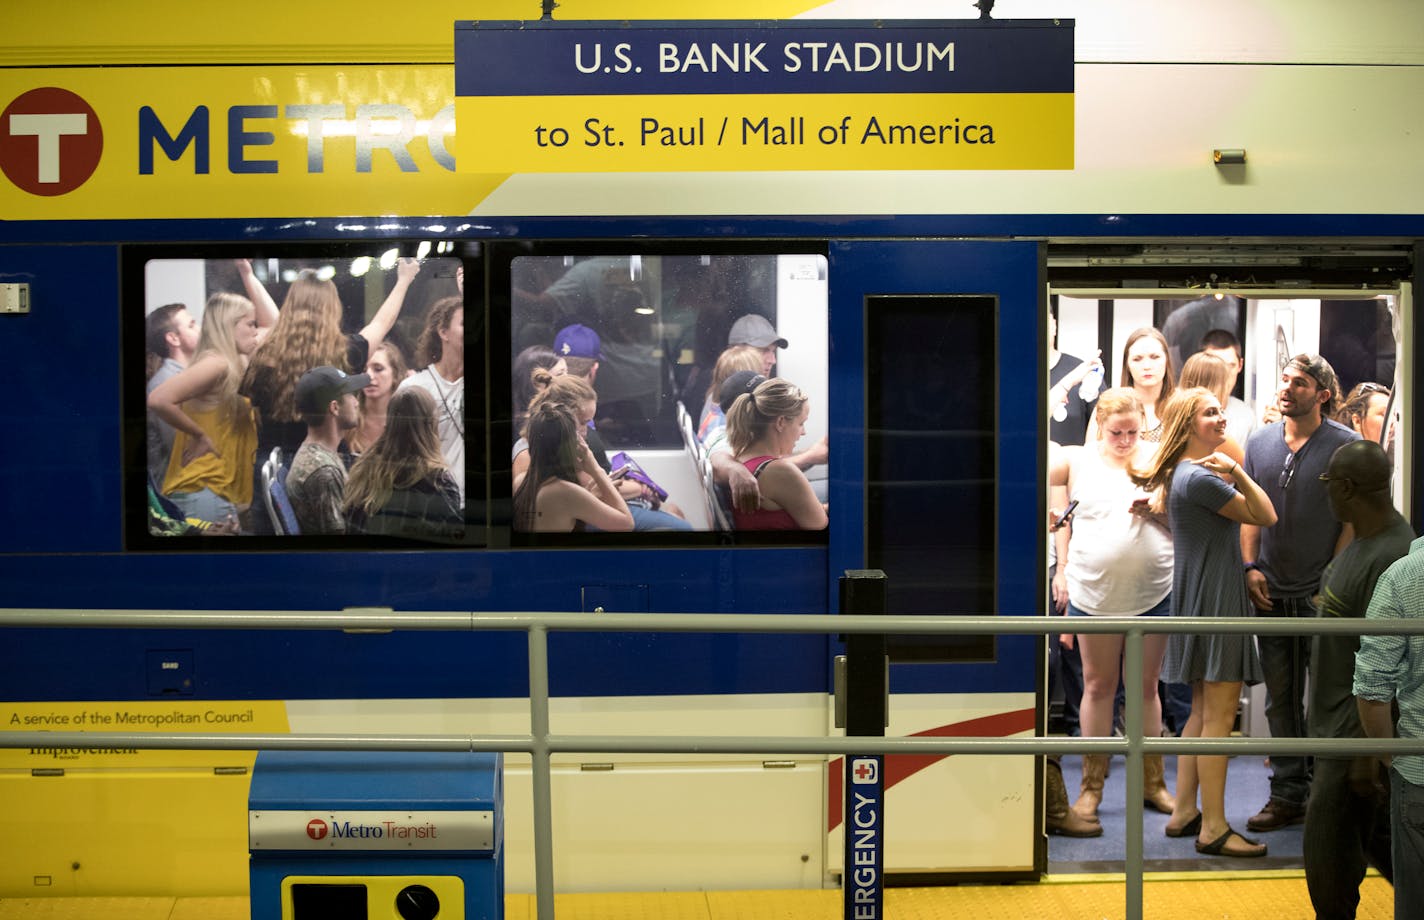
(601, 59)
(863, 882)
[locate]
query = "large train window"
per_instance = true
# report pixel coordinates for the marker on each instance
(682, 371)
(298, 393)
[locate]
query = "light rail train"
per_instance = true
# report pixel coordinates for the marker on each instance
(155, 159)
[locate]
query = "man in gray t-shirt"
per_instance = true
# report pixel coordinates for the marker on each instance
(1347, 820)
(1284, 562)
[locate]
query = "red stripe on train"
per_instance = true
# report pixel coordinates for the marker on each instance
(899, 767)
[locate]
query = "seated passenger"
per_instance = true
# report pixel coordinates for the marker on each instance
(735, 358)
(401, 486)
(763, 427)
(573, 393)
(728, 473)
(316, 483)
(527, 364)
(550, 498)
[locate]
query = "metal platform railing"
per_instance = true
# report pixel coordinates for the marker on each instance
(540, 743)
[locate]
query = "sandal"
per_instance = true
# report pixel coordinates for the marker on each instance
(1190, 829)
(1218, 846)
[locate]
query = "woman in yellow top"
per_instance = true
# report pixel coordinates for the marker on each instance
(210, 470)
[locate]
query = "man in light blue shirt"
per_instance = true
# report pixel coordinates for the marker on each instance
(1390, 668)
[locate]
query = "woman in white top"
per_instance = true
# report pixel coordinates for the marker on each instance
(1118, 563)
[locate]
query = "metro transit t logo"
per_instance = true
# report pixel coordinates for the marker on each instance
(50, 141)
(316, 829)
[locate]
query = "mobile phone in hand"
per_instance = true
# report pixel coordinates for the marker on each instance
(1066, 516)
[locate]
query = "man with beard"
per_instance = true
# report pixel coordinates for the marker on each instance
(1284, 562)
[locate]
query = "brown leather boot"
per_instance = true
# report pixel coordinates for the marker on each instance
(1090, 791)
(1058, 818)
(1154, 785)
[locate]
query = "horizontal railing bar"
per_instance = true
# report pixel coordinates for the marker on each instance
(383, 620)
(700, 744)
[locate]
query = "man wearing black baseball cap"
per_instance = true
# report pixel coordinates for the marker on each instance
(326, 400)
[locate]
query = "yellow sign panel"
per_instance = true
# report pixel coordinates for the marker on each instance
(768, 132)
(175, 716)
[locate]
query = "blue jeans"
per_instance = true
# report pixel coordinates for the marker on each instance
(648, 519)
(205, 505)
(1285, 660)
(1345, 831)
(1406, 812)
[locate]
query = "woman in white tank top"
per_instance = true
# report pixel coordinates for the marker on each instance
(1114, 561)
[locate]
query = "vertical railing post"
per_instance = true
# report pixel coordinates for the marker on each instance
(866, 693)
(540, 773)
(1132, 725)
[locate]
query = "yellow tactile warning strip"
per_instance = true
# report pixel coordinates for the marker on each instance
(1278, 895)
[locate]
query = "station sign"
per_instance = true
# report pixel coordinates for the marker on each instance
(715, 96)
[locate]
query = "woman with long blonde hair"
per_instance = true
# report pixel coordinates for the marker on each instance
(1206, 496)
(763, 427)
(209, 473)
(1210, 372)
(1113, 562)
(400, 486)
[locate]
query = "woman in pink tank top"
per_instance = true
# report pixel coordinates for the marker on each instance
(763, 427)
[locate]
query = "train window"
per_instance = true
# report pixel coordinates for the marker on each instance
(931, 462)
(312, 394)
(642, 350)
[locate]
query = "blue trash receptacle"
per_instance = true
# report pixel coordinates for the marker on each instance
(376, 835)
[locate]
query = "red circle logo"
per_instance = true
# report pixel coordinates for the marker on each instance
(50, 141)
(316, 828)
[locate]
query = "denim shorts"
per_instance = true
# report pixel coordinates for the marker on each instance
(1162, 609)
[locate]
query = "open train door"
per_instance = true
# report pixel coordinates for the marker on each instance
(936, 421)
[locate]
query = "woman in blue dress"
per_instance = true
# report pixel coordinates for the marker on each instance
(1206, 496)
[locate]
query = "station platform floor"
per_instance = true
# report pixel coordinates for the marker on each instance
(1263, 895)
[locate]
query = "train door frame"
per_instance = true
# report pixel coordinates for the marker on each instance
(1010, 679)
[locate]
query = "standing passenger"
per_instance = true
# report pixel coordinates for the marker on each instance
(308, 334)
(1346, 822)
(1389, 670)
(386, 368)
(171, 335)
(1240, 420)
(1204, 512)
(442, 350)
(209, 475)
(1117, 563)
(1284, 562)
(1147, 368)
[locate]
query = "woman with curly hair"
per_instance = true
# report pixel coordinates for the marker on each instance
(209, 475)
(442, 350)
(307, 335)
(400, 485)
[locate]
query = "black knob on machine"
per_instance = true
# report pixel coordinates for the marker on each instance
(416, 902)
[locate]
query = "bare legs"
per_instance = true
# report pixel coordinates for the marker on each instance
(1102, 666)
(1213, 713)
